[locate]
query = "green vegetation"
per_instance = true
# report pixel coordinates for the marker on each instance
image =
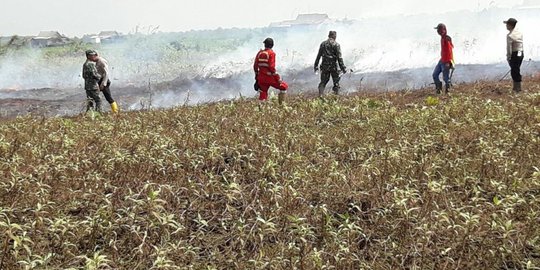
(381, 182)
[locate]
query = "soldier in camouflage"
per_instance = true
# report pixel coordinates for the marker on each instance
(330, 52)
(91, 81)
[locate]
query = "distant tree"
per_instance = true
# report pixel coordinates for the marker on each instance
(178, 45)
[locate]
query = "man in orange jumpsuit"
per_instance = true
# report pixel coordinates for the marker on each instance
(265, 72)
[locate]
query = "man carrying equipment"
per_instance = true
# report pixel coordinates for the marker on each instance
(330, 52)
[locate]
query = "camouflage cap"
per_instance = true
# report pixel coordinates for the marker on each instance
(91, 52)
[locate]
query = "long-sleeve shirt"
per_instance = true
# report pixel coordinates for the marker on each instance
(330, 52)
(514, 42)
(91, 76)
(447, 49)
(102, 67)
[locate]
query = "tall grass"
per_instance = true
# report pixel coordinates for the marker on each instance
(350, 183)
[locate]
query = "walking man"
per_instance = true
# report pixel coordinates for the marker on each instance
(446, 63)
(102, 67)
(91, 81)
(514, 52)
(266, 75)
(330, 52)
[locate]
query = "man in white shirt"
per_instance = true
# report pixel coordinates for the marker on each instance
(102, 67)
(514, 52)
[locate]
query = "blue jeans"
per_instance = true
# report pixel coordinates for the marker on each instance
(441, 68)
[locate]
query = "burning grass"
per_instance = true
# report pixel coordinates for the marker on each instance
(372, 181)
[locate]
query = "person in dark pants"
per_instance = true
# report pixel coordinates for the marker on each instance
(330, 52)
(102, 67)
(106, 90)
(514, 52)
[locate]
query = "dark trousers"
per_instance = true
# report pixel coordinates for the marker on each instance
(107, 92)
(515, 66)
(93, 100)
(325, 78)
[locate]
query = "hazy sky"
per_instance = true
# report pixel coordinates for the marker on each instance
(76, 17)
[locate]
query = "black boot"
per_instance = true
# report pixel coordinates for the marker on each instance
(336, 89)
(447, 88)
(321, 90)
(89, 104)
(438, 87)
(517, 87)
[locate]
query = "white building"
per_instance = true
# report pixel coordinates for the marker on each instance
(304, 20)
(109, 36)
(530, 4)
(49, 39)
(91, 39)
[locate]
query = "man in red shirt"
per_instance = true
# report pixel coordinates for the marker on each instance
(265, 72)
(446, 62)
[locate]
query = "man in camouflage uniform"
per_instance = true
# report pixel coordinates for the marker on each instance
(91, 81)
(330, 52)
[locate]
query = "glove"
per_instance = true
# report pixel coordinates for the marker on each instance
(316, 69)
(344, 71)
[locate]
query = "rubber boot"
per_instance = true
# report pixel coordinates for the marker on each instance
(281, 97)
(438, 87)
(98, 107)
(89, 104)
(114, 107)
(321, 91)
(517, 87)
(447, 88)
(336, 90)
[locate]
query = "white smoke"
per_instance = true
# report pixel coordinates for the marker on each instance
(370, 46)
(400, 42)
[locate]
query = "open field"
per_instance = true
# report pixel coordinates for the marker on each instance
(380, 181)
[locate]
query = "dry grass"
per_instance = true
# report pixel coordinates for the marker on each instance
(380, 181)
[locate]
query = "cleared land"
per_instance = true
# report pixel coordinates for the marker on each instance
(381, 181)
